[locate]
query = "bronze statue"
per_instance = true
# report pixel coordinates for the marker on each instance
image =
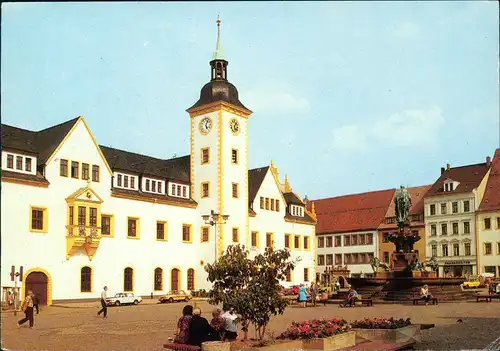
(402, 202)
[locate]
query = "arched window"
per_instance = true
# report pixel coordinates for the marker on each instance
(190, 284)
(128, 279)
(86, 279)
(158, 279)
(174, 279)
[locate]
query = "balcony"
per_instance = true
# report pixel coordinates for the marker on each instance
(80, 236)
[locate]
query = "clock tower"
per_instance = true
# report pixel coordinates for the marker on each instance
(219, 156)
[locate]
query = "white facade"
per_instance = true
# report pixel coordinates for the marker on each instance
(354, 250)
(80, 226)
(450, 223)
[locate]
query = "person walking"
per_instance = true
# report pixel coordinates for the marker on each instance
(104, 306)
(27, 307)
(313, 290)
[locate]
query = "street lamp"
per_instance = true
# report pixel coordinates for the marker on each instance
(213, 219)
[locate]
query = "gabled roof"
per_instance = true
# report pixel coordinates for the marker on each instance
(469, 178)
(255, 178)
(491, 198)
(176, 168)
(43, 143)
(292, 198)
(351, 213)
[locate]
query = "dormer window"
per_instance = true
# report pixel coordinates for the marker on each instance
(153, 186)
(450, 185)
(125, 181)
(178, 190)
(296, 211)
(18, 163)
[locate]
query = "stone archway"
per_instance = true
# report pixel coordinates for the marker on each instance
(38, 283)
(342, 281)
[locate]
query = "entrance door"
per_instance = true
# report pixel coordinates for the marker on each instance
(38, 283)
(174, 279)
(457, 271)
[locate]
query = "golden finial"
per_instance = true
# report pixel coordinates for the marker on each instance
(287, 185)
(313, 211)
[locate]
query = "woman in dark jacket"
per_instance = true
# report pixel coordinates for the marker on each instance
(200, 330)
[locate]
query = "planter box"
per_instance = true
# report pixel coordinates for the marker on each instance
(416, 274)
(335, 342)
(400, 335)
(216, 346)
(280, 345)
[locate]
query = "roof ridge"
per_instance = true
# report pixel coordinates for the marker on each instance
(142, 155)
(357, 194)
(472, 165)
(11, 126)
(58, 125)
(255, 169)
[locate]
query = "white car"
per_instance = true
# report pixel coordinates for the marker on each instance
(123, 299)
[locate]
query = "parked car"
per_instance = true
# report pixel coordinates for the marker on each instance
(123, 299)
(175, 295)
(293, 290)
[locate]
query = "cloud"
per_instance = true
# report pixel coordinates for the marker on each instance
(410, 127)
(406, 30)
(349, 137)
(279, 101)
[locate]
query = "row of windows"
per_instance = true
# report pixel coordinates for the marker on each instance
(74, 172)
(454, 207)
(19, 162)
(205, 156)
(454, 228)
(455, 247)
(298, 242)
(288, 275)
(269, 204)
(349, 258)
(151, 185)
(128, 279)
(349, 240)
(487, 223)
(488, 248)
(205, 190)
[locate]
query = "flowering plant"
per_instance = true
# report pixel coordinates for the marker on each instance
(381, 323)
(315, 328)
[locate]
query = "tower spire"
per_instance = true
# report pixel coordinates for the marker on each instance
(218, 53)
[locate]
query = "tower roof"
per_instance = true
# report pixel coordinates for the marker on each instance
(218, 89)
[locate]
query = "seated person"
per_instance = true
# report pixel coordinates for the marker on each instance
(217, 322)
(200, 330)
(352, 297)
(182, 335)
(497, 288)
(425, 294)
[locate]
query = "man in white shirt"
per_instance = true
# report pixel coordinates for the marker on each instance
(103, 303)
(230, 319)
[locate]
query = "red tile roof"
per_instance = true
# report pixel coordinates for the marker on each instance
(491, 198)
(469, 178)
(352, 213)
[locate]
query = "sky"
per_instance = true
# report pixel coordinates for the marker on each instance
(347, 97)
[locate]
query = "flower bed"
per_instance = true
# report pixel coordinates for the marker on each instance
(382, 329)
(381, 323)
(321, 334)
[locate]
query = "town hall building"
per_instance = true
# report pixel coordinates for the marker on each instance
(78, 215)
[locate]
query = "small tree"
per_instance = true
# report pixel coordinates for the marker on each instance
(230, 277)
(252, 287)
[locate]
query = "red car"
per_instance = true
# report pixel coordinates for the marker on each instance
(293, 290)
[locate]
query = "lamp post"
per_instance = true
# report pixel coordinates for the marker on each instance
(213, 219)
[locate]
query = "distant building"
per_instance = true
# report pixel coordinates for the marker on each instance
(488, 222)
(417, 225)
(347, 229)
(450, 218)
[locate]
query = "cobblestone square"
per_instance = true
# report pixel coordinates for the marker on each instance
(148, 326)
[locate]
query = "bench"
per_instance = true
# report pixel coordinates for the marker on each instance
(181, 347)
(380, 346)
(435, 300)
(486, 298)
(364, 302)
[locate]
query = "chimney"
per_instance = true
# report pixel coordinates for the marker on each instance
(442, 170)
(448, 166)
(488, 161)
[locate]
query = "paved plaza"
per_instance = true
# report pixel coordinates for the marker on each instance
(148, 326)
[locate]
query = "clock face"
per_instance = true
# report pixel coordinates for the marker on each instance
(205, 125)
(234, 125)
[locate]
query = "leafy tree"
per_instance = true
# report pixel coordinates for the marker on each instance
(252, 287)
